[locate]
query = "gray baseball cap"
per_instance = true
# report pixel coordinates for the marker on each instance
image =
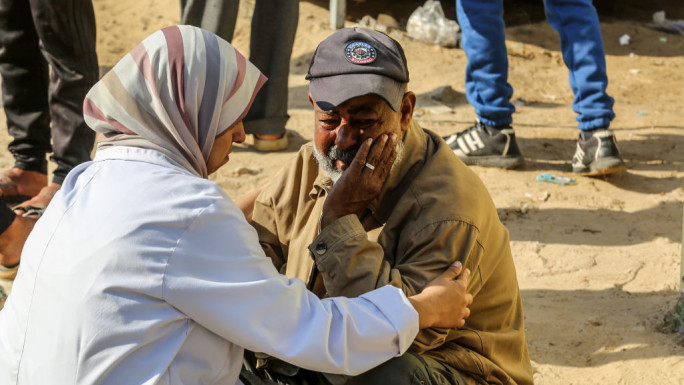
(354, 62)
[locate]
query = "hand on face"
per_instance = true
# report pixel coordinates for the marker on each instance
(362, 181)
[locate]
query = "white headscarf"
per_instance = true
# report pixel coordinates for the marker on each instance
(176, 92)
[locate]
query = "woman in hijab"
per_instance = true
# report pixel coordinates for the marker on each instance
(143, 271)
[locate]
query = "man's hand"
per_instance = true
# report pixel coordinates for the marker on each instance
(444, 301)
(362, 181)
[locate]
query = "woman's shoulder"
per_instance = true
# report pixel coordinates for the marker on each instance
(137, 180)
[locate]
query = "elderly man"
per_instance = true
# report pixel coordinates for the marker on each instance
(431, 211)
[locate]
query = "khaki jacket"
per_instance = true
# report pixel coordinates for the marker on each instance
(432, 211)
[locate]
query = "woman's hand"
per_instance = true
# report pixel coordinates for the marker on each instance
(444, 301)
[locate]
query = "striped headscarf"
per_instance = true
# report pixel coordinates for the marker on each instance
(176, 92)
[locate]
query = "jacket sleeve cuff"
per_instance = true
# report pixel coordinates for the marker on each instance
(333, 237)
(394, 305)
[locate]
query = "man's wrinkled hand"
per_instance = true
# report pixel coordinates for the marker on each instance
(444, 301)
(362, 181)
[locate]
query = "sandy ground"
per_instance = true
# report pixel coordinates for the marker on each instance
(599, 261)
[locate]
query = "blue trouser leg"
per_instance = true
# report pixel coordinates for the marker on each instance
(582, 45)
(484, 43)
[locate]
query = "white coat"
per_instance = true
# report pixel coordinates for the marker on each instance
(141, 273)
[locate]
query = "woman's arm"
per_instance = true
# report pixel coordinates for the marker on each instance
(246, 202)
(220, 278)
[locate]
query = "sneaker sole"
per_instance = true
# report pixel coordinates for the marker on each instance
(604, 166)
(605, 171)
(493, 161)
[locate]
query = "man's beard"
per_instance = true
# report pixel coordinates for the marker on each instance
(328, 162)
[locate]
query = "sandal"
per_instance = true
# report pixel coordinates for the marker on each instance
(268, 145)
(35, 207)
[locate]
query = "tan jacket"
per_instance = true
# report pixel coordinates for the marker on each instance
(432, 211)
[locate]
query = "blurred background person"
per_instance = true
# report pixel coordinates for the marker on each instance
(491, 141)
(274, 24)
(47, 63)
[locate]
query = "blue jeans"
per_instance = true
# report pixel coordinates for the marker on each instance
(483, 40)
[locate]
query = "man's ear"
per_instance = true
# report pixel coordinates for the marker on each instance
(408, 103)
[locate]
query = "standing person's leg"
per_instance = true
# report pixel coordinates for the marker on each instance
(484, 43)
(24, 93)
(490, 142)
(217, 16)
(66, 29)
(274, 25)
(577, 24)
(13, 233)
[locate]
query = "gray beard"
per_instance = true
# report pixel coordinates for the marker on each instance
(334, 174)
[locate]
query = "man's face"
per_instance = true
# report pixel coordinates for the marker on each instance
(339, 132)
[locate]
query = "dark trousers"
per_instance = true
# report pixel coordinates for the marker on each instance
(6, 216)
(274, 24)
(408, 369)
(48, 63)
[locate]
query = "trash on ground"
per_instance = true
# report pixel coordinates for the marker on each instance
(245, 171)
(387, 20)
(561, 180)
(519, 102)
(384, 23)
(525, 208)
(447, 95)
(663, 24)
(367, 21)
(624, 39)
(429, 25)
(545, 196)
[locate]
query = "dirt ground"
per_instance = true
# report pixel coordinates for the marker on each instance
(598, 261)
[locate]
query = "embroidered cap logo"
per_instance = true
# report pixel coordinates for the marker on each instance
(359, 52)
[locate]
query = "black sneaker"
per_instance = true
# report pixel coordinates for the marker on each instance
(598, 155)
(485, 146)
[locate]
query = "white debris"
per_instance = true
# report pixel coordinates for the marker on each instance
(624, 39)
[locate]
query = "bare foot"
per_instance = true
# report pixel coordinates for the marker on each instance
(12, 240)
(16, 181)
(35, 206)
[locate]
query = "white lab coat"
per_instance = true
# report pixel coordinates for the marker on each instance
(141, 273)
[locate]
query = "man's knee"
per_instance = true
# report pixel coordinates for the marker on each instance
(404, 370)
(409, 369)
